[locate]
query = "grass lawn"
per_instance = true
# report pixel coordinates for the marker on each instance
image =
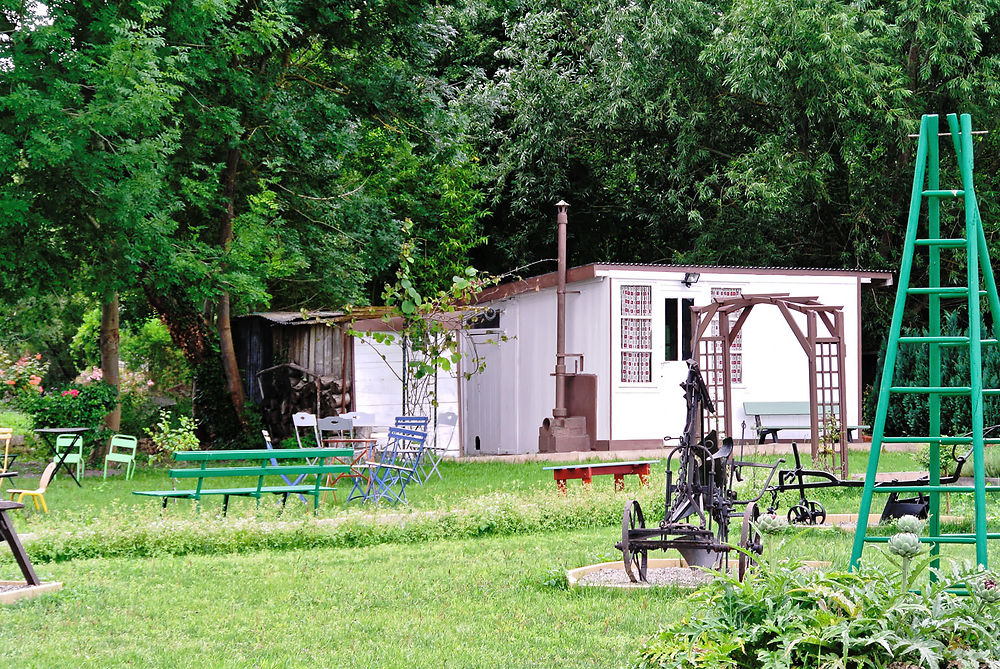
(413, 596)
(462, 481)
(486, 602)
(470, 603)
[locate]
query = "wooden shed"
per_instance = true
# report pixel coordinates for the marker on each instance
(294, 361)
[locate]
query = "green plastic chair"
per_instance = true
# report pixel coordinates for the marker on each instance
(120, 443)
(74, 444)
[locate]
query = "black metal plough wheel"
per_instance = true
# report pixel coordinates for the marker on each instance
(635, 558)
(751, 541)
(810, 513)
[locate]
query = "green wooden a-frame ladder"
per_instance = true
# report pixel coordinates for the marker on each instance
(979, 275)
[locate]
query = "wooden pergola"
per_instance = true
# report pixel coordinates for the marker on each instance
(822, 342)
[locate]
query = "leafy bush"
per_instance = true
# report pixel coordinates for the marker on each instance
(947, 459)
(171, 435)
(77, 405)
(784, 617)
(150, 348)
(138, 412)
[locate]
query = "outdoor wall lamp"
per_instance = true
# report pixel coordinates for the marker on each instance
(690, 277)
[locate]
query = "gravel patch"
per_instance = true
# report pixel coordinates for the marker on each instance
(678, 577)
(9, 588)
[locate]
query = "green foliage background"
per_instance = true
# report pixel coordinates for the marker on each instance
(748, 132)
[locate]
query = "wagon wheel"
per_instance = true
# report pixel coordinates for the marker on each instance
(635, 558)
(798, 515)
(750, 540)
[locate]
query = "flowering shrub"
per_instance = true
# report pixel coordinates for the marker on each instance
(78, 405)
(93, 374)
(23, 375)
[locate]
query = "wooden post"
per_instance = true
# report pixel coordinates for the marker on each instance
(813, 399)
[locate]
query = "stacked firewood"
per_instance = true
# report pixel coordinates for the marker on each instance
(294, 392)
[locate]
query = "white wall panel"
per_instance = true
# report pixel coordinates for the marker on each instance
(379, 391)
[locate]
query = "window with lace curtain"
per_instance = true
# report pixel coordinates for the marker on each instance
(636, 334)
(736, 350)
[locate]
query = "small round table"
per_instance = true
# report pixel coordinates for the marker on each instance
(50, 435)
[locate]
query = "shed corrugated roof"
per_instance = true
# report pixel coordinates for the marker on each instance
(293, 317)
(317, 317)
(743, 268)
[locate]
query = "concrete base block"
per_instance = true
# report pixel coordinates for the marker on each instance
(26, 592)
(567, 438)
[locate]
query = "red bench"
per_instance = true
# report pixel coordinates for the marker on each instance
(563, 473)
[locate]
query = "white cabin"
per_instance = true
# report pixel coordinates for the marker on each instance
(638, 395)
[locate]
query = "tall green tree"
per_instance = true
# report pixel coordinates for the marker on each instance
(84, 129)
(227, 156)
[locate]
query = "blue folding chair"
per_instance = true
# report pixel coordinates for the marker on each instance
(396, 466)
(419, 424)
(274, 463)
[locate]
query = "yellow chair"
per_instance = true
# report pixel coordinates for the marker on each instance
(6, 436)
(36, 495)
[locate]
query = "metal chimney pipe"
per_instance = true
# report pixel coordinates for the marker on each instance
(560, 412)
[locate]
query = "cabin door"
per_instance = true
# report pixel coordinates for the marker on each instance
(483, 397)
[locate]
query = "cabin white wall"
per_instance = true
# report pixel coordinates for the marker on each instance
(774, 365)
(522, 393)
(378, 389)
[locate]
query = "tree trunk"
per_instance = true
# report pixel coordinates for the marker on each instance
(234, 384)
(109, 339)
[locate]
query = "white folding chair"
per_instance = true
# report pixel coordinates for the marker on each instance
(335, 425)
(435, 452)
(307, 421)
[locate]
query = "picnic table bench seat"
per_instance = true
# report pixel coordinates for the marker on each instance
(318, 468)
(586, 472)
(779, 409)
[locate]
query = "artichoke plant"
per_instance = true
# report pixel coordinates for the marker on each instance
(986, 588)
(905, 544)
(771, 523)
(910, 524)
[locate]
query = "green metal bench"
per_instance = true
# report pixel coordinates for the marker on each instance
(319, 455)
(800, 409)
